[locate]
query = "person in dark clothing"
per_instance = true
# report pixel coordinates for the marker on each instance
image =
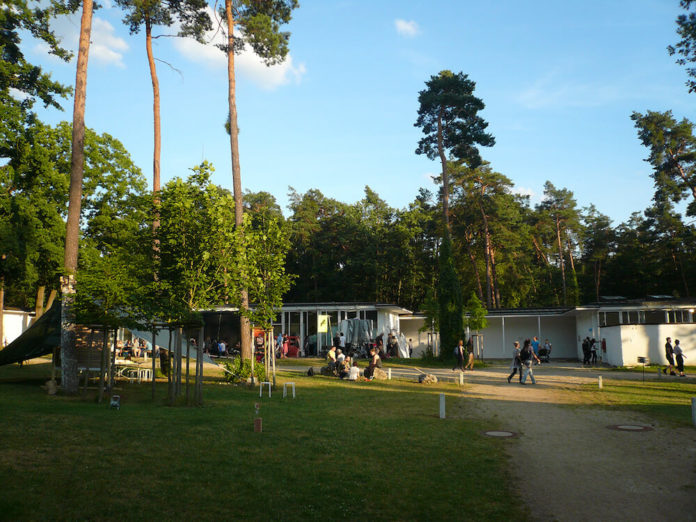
(586, 351)
(459, 354)
(516, 364)
(669, 353)
(679, 356)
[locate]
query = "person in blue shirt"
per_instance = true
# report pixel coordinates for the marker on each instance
(535, 347)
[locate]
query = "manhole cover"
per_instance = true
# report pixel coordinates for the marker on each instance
(499, 434)
(630, 427)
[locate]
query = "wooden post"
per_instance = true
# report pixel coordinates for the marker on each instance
(199, 375)
(154, 364)
(102, 368)
(188, 363)
(179, 360)
(599, 382)
(270, 340)
(112, 358)
(170, 378)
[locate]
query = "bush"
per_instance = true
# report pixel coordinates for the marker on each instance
(240, 370)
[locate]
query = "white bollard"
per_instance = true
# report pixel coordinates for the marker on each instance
(599, 382)
(442, 405)
(693, 410)
(461, 378)
(389, 373)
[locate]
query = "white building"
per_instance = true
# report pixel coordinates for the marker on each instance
(628, 329)
(14, 322)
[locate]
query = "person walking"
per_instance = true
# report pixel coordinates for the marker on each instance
(516, 364)
(679, 356)
(470, 354)
(459, 354)
(669, 353)
(527, 357)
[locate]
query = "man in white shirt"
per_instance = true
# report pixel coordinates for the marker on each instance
(342, 341)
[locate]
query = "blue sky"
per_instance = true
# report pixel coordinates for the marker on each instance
(559, 80)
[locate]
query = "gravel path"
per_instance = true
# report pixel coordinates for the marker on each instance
(571, 466)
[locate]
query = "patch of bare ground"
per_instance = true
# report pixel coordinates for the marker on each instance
(570, 466)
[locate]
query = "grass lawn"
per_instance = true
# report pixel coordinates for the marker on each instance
(369, 450)
(667, 400)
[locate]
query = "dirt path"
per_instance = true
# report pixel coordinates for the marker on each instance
(572, 467)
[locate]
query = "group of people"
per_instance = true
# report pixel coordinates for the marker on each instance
(464, 352)
(345, 367)
(589, 351)
(523, 360)
(673, 352)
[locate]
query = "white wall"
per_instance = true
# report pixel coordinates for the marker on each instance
(386, 322)
(409, 327)
(14, 322)
(625, 343)
(586, 326)
(559, 330)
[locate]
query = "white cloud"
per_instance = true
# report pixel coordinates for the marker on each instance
(105, 46)
(248, 64)
(407, 28)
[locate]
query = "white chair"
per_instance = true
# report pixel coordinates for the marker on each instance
(285, 389)
(261, 388)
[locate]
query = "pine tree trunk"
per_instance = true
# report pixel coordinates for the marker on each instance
(51, 298)
(38, 306)
(2, 311)
(156, 118)
(562, 261)
(154, 362)
(445, 178)
(479, 288)
(245, 325)
(496, 289)
(69, 380)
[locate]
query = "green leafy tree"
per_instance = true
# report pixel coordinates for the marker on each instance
(598, 245)
(685, 49)
(448, 116)
(21, 85)
(559, 212)
(33, 201)
(672, 156)
(450, 300)
(258, 25)
(475, 317)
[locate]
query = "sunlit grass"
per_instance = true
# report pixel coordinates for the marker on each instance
(668, 400)
(340, 450)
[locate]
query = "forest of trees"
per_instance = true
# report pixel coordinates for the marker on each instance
(192, 237)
